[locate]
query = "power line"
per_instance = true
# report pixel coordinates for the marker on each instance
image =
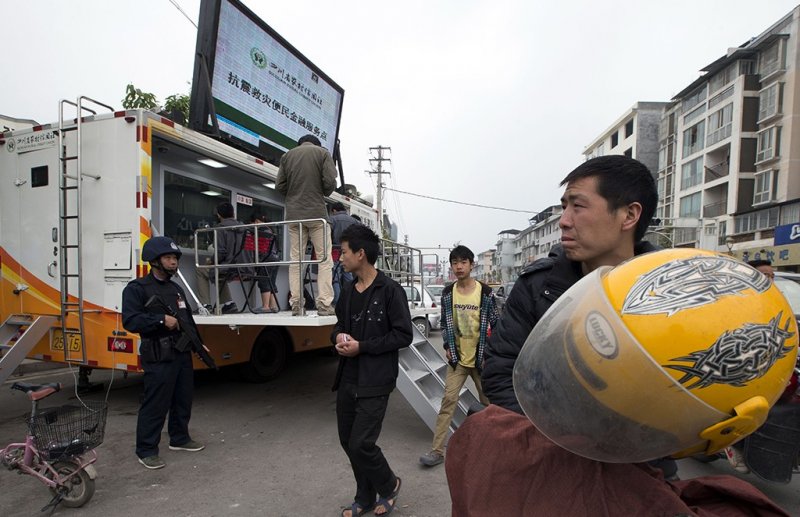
(178, 7)
(462, 202)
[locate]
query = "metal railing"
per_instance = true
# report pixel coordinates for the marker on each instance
(216, 266)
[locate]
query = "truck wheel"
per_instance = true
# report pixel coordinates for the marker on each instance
(268, 357)
(422, 325)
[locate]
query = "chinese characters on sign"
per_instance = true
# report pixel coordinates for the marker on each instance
(32, 142)
(249, 89)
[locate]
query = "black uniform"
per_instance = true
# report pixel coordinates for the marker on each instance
(166, 361)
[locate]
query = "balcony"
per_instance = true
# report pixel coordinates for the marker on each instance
(716, 209)
(717, 171)
(719, 134)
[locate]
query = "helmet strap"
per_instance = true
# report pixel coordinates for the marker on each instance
(156, 264)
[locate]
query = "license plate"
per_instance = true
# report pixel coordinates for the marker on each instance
(73, 341)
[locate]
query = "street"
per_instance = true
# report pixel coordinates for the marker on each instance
(272, 449)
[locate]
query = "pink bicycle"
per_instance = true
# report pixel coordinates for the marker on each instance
(59, 447)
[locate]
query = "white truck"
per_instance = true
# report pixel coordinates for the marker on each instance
(78, 200)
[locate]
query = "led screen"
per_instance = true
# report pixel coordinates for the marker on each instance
(263, 90)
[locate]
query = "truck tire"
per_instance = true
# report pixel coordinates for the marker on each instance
(268, 356)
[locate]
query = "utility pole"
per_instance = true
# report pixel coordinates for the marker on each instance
(377, 164)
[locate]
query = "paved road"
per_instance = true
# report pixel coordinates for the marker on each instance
(272, 450)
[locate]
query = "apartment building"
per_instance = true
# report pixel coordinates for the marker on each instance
(503, 263)
(728, 174)
(483, 270)
(634, 134)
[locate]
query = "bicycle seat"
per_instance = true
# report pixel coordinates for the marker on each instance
(37, 391)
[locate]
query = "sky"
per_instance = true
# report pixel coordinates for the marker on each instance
(482, 102)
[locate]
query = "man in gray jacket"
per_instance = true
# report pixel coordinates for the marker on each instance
(229, 249)
(306, 175)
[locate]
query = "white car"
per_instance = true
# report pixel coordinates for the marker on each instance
(436, 292)
(428, 318)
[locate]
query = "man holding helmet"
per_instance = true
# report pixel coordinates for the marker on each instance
(166, 359)
(573, 462)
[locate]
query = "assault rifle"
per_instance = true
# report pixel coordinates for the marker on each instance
(187, 329)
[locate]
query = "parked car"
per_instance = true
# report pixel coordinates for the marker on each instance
(421, 298)
(436, 292)
(501, 293)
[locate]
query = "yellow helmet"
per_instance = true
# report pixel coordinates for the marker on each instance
(674, 352)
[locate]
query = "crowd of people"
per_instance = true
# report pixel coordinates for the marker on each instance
(497, 462)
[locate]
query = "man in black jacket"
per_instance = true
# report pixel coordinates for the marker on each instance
(166, 360)
(607, 207)
(373, 324)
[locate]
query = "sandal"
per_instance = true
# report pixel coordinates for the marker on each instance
(356, 510)
(384, 501)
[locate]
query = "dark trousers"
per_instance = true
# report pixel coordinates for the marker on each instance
(360, 421)
(168, 387)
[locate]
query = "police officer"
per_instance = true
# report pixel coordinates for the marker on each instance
(166, 359)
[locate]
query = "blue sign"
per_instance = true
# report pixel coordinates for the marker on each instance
(787, 234)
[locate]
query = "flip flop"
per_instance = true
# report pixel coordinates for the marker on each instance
(384, 501)
(356, 510)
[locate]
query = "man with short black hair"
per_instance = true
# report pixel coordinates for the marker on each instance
(306, 175)
(468, 313)
(763, 265)
(374, 323)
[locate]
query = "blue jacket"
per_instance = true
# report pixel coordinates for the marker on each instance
(489, 316)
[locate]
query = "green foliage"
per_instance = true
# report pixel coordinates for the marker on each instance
(177, 102)
(136, 98)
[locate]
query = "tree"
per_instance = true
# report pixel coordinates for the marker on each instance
(136, 99)
(176, 106)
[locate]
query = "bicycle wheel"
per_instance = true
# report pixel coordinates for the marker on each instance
(77, 490)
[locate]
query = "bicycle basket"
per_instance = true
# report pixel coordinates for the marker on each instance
(69, 430)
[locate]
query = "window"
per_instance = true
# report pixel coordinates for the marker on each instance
(188, 205)
(768, 144)
(771, 60)
(694, 99)
(614, 139)
(692, 173)
(762, 191)
(629, 128)
(755, 221)
(693, 139)
(719, 124)
(629, 152)
(769, 101)
(690, 206)
(39, 176)
(722, 78)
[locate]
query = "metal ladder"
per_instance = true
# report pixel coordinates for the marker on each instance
(24, 331)
(70, 226)
(421, 381)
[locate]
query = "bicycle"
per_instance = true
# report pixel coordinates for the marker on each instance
(59, 447)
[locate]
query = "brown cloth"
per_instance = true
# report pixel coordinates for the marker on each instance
(498, 463)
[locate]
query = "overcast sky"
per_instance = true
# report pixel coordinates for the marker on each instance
(484, 102)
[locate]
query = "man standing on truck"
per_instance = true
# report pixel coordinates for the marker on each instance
(305, 176)
(340, 220)
(468, 312)
(229, 248)
(373, 324)
(166, 359)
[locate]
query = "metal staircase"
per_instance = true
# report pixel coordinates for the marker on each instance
(71, 176)
(18, 335)
(421, 381)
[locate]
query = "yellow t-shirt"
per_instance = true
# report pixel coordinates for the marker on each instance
(467, 321)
